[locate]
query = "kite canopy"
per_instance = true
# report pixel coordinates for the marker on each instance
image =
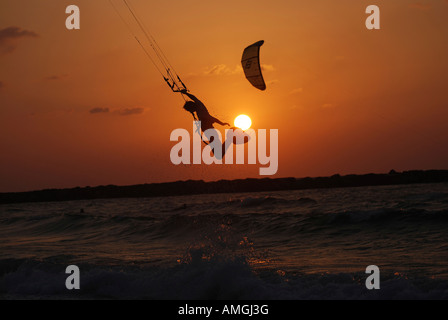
(251, 65)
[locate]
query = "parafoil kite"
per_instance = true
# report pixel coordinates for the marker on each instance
(251, 65)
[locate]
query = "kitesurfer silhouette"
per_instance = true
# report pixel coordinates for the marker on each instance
(200, 113)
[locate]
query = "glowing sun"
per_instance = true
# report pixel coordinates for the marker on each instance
(243, 122)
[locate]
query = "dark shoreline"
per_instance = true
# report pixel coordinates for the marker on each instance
(192, 187)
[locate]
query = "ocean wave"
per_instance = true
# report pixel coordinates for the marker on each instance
(428, 196)
(184, 226)
(389, 215)
(200, 280)
(266, 200)
(230, 246)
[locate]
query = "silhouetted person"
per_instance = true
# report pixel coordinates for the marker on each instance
(202, 114)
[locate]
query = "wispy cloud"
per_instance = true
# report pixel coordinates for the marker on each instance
(267, 67)
(223, 70)
(296, 91)
(99, 110)
(118, 111)
(9, 37)
(130, 111)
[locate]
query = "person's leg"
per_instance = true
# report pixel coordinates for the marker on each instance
(211, 135)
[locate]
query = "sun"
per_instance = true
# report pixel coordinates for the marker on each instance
(243, 122)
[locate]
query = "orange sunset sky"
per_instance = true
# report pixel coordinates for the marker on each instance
(344, 99)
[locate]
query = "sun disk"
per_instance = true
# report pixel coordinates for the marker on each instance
(243, 122)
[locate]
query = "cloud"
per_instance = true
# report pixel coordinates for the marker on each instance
(99, 110)
(328, 106)
(130, 111)
(119, 111)
(9, 37)
(223, 70)
(56, 77)
(297, 90)
(267, 67)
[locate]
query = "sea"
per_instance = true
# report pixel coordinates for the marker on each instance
(285, 245)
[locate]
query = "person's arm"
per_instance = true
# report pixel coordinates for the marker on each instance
(189, 95)
(220, 122)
